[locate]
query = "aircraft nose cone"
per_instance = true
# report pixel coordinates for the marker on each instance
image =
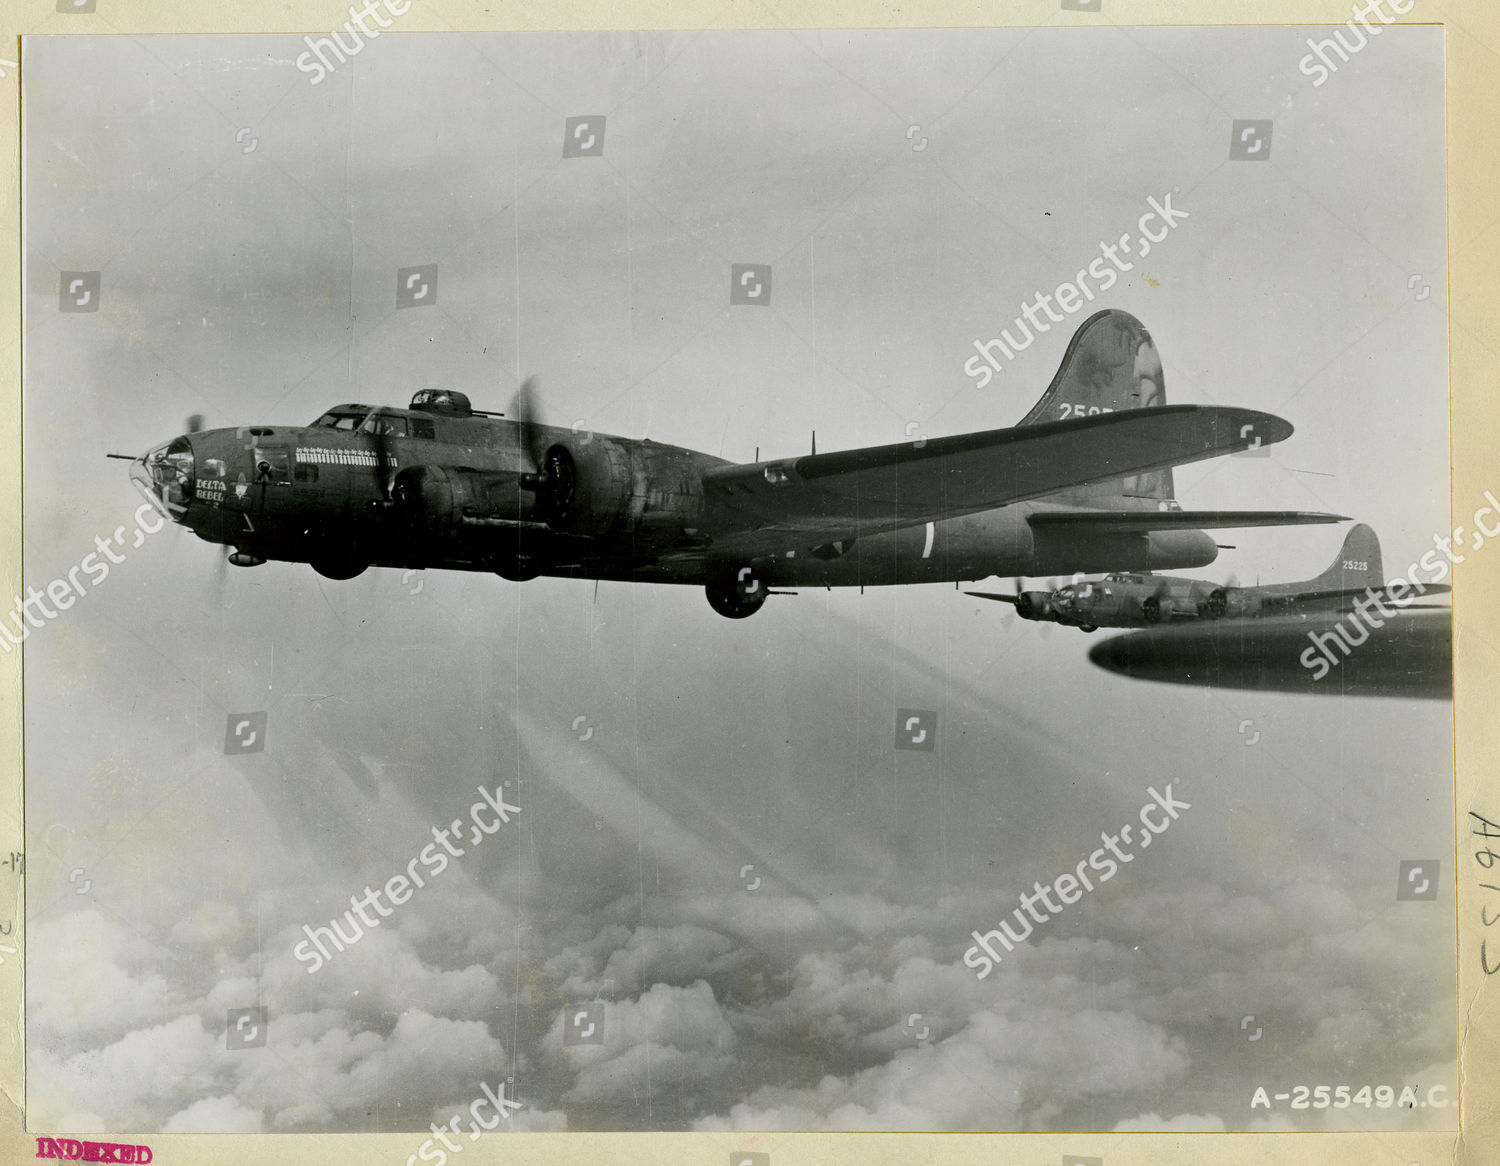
(165, 474)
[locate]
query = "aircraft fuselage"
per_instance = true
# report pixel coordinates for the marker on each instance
(410, 489)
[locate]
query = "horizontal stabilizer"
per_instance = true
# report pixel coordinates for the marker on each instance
(1127, 521)
(1379, 592)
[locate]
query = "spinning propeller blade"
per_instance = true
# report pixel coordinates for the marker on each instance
(523, 412)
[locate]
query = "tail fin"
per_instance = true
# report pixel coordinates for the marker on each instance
(1356, 566)
(1111, 364)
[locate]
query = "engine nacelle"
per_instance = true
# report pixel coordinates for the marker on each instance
(448, 498)
(598, 487)
(1233, 602)
(1035, 605)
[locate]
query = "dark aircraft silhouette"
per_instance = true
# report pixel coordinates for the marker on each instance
(1082, 483)
(1319, 654)
(1133, 600)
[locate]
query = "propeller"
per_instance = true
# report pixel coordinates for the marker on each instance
(1047, 585)
(1217, 603)
(523, 412)
(1010, 599)
(554, 479)
(1151, 605)
(220, 575)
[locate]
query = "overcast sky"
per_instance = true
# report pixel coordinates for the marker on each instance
(910, 192)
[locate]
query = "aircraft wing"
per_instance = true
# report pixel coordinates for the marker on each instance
(1132, 521)
(765, 507)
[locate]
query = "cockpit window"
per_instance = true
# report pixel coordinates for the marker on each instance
(340, 419)
(384, 425)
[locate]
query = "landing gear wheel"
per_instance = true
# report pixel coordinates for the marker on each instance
(338, 566)
(514, 557)
(1088, 627)
(736, 594)
(516, 568)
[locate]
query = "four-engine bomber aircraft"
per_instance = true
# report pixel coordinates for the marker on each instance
(1082, 483)
(1123, 600)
